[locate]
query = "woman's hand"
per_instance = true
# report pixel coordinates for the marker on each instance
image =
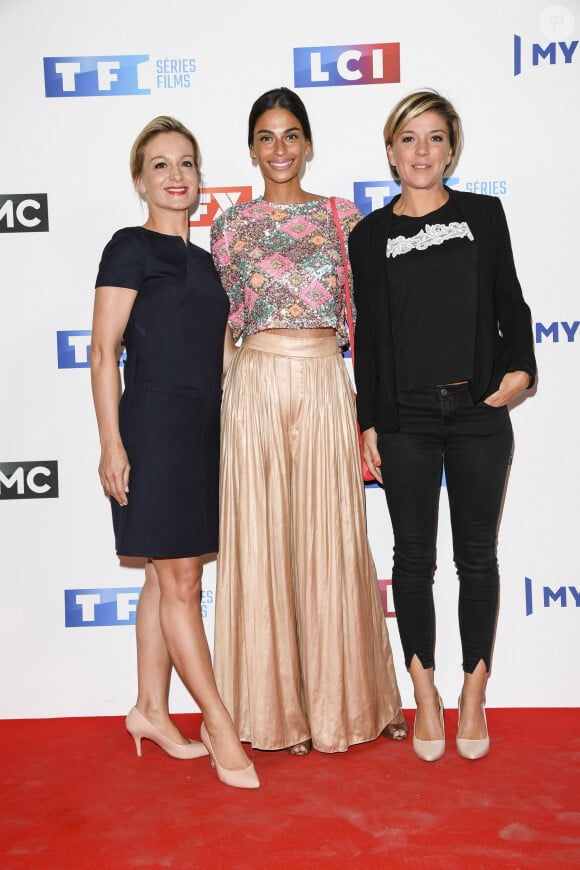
(114, 471)
(371, 453)
(512, 384)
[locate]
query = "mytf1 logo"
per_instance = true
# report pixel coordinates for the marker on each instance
(73, 349)
(551, 597)
(557, 24)
(556, 331)
(84, 608)
(115, 75)
(370, 195)
(23, 213)
(329, 65)
(37, 479)
(213, 201)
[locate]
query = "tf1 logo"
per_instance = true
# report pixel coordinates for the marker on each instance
(100, 76)
(73, 349)
(23, 213)
(213, 201)
(99, 607)
(327, 65)
(37, 479)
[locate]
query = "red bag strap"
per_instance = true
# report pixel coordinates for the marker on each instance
(346, 281)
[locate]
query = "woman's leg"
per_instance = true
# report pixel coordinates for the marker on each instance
(477, 458)
(184, 634)
(411, 466)
(153, 660)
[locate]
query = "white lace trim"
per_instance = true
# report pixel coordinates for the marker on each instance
(433, 234)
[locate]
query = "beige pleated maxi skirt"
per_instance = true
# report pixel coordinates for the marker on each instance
(301, 645)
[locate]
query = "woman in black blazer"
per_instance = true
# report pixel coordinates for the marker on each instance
(444, 342)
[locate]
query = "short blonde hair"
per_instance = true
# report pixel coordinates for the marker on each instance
(415, 104)
(161, 124)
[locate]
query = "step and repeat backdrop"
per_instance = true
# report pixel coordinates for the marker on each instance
(77, 83)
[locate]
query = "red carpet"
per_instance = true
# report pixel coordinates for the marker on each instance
(74, 795)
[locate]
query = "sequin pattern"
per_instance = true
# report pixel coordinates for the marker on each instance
(281, 265)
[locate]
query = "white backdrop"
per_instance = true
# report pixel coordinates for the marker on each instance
(511, 67)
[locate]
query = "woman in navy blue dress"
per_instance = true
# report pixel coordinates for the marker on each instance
(160, 439)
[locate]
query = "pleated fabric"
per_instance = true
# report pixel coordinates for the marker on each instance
(301, 645)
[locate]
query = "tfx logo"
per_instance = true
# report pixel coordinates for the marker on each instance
(37, 479)
(85, 608)
(386, 592)
(557, 331)
(213, 201)
(551, 53)
(23, 213)
(100, 76)
(370, 195)
(329, 65)
(73, 349)
(551, 597)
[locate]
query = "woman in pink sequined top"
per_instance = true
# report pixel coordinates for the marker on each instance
(302, 654)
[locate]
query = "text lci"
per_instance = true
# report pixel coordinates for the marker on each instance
(331, 65)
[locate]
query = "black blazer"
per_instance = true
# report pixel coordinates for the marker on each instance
(503, 338)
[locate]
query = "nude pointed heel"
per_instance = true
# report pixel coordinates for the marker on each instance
(472, 749)
(139, 727)
(244, 778)
(431, 750)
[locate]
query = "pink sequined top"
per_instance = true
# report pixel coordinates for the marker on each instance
(282, 265)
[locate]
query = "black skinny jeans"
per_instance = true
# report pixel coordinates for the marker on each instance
(441, 424)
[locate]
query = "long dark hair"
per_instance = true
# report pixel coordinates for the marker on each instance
(282, 98)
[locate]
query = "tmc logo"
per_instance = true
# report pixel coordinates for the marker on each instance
(23, 213)
(99, 607)
(327, 65)
(562, 595)
(28, 480)
(101, 76)
(552, 53)
(73, 349)
(556, 331)
(213, 201)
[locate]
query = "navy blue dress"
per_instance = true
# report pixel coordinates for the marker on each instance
(170, 407)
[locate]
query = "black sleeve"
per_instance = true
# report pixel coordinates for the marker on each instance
(123, 262)
(365, 372)
(513, 314)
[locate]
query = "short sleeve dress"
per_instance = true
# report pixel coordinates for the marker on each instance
(170, 406)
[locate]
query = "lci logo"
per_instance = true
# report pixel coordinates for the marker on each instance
(213, 201)
(99, 607)
(73, 349)
(38, 479)
(329, 65)
(556, 331)
(115, 75)
(386, 591)
(23, 213)
(551, 597)
(557, 24)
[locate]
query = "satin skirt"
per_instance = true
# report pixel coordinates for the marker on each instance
(301, 644)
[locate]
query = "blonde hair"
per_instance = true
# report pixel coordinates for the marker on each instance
(161, 124)
(415, 104)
